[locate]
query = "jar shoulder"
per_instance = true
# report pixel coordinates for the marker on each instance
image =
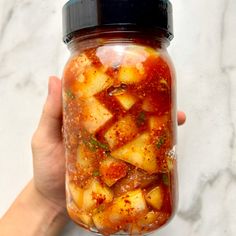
(117, 55)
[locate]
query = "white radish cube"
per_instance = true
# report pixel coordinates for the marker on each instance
(126, 100)
(128, 207)
(155, 198)
(76, 194)
(95, 115)
(100, 221)
(129, 75)
(79, 216)
(95, 194)
(84, 157)
(78, 64)
(92, 82)
(123, 130)
(112, 170)
(157, 122)
(140, 152)
(111, 55)
(135, 55)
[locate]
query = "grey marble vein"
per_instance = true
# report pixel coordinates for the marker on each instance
(5, 23)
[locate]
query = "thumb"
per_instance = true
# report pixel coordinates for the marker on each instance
(49, 128)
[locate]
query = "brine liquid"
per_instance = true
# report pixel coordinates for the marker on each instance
(119, 133)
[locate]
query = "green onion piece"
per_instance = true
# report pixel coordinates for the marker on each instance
(98, 144)
(89, 145)
(160, 142)
(96, 173)
(70, 95)
(94, 144)
(165, 179)
(141, 118)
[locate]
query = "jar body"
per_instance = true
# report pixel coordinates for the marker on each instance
(119, 119)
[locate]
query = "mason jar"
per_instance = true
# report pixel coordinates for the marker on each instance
(119, 115)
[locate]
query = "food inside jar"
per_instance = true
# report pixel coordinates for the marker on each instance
(119, 134)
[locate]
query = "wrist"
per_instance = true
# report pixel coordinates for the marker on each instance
(55, 206)
(53, 215)
(33, 214)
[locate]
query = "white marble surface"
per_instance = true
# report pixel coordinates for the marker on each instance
(204, 52)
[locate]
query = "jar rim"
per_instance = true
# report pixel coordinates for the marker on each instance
(125, 32)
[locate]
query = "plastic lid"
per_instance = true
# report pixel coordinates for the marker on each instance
(148, 14)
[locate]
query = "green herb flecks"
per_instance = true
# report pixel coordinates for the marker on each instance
(141, 118)
(70, 95)
(160, 142)
(90, 146)
(93, 144)
(96, 173)
(166, 179)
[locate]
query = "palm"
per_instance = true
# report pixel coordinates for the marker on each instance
(49, 173)
(48, 150)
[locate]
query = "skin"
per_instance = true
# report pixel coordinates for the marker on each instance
(40, 208)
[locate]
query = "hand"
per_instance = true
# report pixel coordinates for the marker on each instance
(48, 150)
(47, 146)
(40, 208)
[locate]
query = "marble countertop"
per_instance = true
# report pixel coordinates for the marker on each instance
(204, 52)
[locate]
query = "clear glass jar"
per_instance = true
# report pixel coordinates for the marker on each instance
(119, 119)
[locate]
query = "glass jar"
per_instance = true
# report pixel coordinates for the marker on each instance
(119, 115)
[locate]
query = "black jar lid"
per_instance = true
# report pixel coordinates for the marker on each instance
(147, 14)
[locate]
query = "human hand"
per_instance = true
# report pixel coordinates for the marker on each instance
(47, 147)
(40, 208)
(48, 150)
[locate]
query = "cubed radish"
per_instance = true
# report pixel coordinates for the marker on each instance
(112, 170)
(92, 81)
(96, 194)
(140, 152)
(126, 100)
(90, 197)
(77, 194)
(81, 217)
(95, 115)
(134, 55)
(155, 197)
(158, 122)
(78, 65)
(122, 131)
(127, 208)
(111, 55)
(129, 75)
(84, 157)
